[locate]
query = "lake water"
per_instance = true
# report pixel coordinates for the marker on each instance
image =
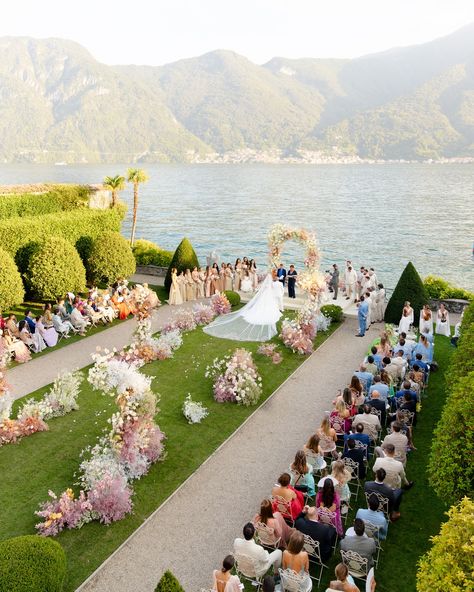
(377, 215)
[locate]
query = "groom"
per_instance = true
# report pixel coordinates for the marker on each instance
(281, 274)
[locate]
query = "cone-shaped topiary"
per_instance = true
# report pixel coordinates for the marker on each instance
(32, 564)
(184, 258)
(11, 285)
(54, 269)
(168, 583)
(409, 287)
(111, 258)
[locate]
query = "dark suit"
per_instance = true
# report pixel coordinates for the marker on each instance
(281, 275)
(323, 533)
(380, 406)
(357, 455)
(394, 495)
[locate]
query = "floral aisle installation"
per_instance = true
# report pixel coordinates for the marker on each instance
(220, 304)
(236, 379)
(194, 411)
(269, 350)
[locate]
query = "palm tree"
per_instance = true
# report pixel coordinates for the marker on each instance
(135, 176)
(114, 184)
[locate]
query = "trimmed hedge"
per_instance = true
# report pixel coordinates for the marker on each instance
(56, 198)
(149, 253)
(184, 258)
(233, 297)
(439, 289)
(110, 258)
(333, 311)
(168, 583)
(450, 467)
(11, 286)
(18, 232)
(54, 269)
(409, 287)
(32, 564)
(448, 565)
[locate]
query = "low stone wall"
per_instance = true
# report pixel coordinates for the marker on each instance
(454, 305)
(152, 270)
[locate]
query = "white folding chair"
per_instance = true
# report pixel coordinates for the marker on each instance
(266, 536)
(294, 582)
(314, 554)
(382, 500)
(356, 564)
(373, 531)
(353, 467)
(247, 568)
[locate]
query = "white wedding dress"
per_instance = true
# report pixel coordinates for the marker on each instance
(256, 321)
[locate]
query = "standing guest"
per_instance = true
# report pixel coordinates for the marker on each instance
(334, 281)
(370, 299)
(426, 319)
(307, 523)
(281, 274)
(296, 558)
(31, 322)
(182, 285)
(457, 334)
(222, 276)
(362, 315)
(262, 558)
(175, 292)
(351, 284)
(223, 580)
(380, 304)
(229, 277)
(407, 318)
(292, 277)
(49, 334)
(442, 321)
(190, 288)
(237, 275)
(202, 283)
(216, 278)
(196, 281)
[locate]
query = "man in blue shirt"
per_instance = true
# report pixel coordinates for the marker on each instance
(362, 316)
(364, 377)
(358, 436)
(30, 321)
(374, 516)
(419, 360)
(381, 387)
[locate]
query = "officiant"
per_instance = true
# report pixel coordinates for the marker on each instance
(281, 274)
(292, 276)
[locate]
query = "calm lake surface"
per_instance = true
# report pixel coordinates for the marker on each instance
(377, 215)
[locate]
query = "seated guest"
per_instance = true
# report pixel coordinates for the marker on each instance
(262, 558)
(342, 476)
(327, 438)
(357, 391)
(61, 326)
(402, 346)
(355, 454)
(62, 309)
(371, 366)
(307, 523)
(49, 334)
(31, 322)
(120, 304)
(91, 313)
(377, 358)
(398, 440)
(344, 581)
(104, 308)
(424, 348)
(15, 347)
(358, 436)
(25, 334)
(302, 474)
(399, 395)
(2, 322)
(287, 492)
(394, 496)
(347, 396)
(47, 319)
(370, 422)
(376, 403)
(359, 543)
(418, 360)
(381, 387)
(364, 376)
(428, 334)
(223, 580)
(399, 361)
(409, 404)
(313, 453)
(418, 376)
(373, 515)
(275, 521)
(328, 499)
(394, 472)
(11, 326)
(340, 417)
(296, 558)
(78, 321)
(390, 370)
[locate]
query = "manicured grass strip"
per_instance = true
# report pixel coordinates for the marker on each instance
(49, 460)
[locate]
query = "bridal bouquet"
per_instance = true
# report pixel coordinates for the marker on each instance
(194, 411)
(236, 379)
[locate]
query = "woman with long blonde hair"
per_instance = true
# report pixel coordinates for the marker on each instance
(327, 437)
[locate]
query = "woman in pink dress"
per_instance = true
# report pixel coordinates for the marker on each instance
(288, 493)
(275, 521)
(223, 580)
(229, 276)
(48, 334)
(216, 278)
(208, 283)
(328, 499)
(16, 348)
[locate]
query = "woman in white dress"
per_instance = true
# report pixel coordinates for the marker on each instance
(406, 320)
(380, 308)
(48, 334)
(426, 319)
(237, 274)
(442, 321)
(223, 580)
(175, 297)
(246, 284)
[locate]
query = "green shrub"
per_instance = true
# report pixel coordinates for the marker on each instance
(24, 254)
(184, 258)
(448, 565)
(409, 287)
(168, 583)
(11, 285)
(334, 312)
(148, 253)
(17, 232)
(111, 258)
(438, 289)
(233, 297)
(54, 269)
(31, 564)
(84, 247)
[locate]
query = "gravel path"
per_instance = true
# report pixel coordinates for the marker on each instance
(194, 529)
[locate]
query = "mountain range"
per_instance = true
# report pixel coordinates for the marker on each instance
(57, 103)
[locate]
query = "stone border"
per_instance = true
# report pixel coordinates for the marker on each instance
(454, 305)
(152, 270)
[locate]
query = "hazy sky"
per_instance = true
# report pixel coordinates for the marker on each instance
(159, 31)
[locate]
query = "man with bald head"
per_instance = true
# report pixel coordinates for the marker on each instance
(376, 402)
(307, 523)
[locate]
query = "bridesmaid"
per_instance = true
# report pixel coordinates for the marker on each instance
(222, 276)
(208, 282)
(175, 297)
(228, 277)
(195, 276)
(245, 263)
(190, 291)
(202, 283)
(182, 286)
(237, 274)
(253, 274)
(215, 278)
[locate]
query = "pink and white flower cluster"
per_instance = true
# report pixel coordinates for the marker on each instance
(269, 350)
(203, 314)
(220, 303)
(236, 378)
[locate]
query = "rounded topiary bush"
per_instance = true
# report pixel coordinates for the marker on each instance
(149, 253)
(168, 583)
(31, 564)
(411, 288)
(11, 285)
(184, 258)
(334, 312)
(84, 248)
(24, 254)
(111, 258)
(54, 269)
(233, 297)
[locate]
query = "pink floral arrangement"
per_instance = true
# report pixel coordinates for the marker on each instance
(63, 512)
(110, 499)
(183, 320)
(220, 304)
(269, 350)
(298, 337)
(203, 314)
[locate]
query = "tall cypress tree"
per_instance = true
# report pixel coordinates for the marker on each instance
(184, 258)
(409, 287)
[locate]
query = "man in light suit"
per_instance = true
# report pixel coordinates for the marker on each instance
(362, 316)
(262, 558)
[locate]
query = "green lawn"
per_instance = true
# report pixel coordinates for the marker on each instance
(49, 460)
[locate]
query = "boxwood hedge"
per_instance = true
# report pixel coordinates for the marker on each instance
(110, 258)
(168, 583)
(149, 253)
(11, 285)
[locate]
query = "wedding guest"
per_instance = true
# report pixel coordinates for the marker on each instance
(313, 453)
(182, 285)
(342, 475)
(283, 489)
(30, 321)
(190, 287)
(362, 315)
(248, 546)
(223, 580)
(24, 333)
(175, 292)
(275, 521)
(442, 321)
(328, 499)
(302, 473)
(49, 334)
(292, 277)
(296, 558)
(357, 390)
(351, 283)
(407, 318)
(222, 276)
(229, 277)
(380, 304)
(61, 327)
(308, 523)
(15, 347)
(281, 274)
(237, 275)
(327, 438)
(208, 282)
(344, 581)
(47, 315)
(79, 322)
(426, 319)
(334, 281)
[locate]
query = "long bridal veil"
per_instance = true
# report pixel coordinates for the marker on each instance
(256, 321)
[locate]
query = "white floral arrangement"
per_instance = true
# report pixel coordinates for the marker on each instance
(322, 322)
(6, 402)
(194, 411)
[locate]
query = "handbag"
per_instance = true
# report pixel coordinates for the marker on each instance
(302, 488)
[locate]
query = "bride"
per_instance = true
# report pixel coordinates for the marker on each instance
(257, 320)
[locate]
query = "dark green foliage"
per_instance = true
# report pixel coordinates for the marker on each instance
(53, 198)
(11, 285)
(24, 254)
(168, 583)
(31, 564)
(440, 289)
(84, 247)
(184, 258)
(334, 312)
(233, 297)
(111, 258)
(149, 253)
(450, 466)
(54, 269)
(409, 287)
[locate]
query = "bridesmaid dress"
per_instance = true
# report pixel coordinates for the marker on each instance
(190, 292)
(202, 279)
(175, 297)
(209, 285)
(228, 279)
(237, 277)
(222, 279)
(182, 287)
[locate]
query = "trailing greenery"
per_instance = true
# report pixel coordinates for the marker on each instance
(11, 285)
(184, 258)
(334, 312)
(52, 198)
(54, 269)
(31, 564)
(110, 258)
(409, 287)
(233, 297)
(168, 583)
(437, 288)
(450, 465)
(449, 563)
(18, 232)
(149, 253)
